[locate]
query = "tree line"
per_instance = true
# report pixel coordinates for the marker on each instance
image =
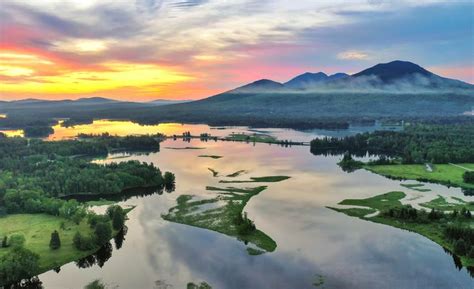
(418, 143)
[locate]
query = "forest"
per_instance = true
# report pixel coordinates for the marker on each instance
(37, 175)
(416, 144)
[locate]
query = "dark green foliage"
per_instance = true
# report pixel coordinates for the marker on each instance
(55, 242)
(84, 243)
(38, 131)
(468, 177)
(460, 247)
(471, 252)
(117, 215)
(416, 144)
(202, 285)
(19, 263)
(169, 180)
(103, 233)
(17, 240)
(245, 226)
(5, 242)
(35, 175)
(348, 164)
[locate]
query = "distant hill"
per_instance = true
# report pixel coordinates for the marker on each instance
(259, 86)
(310, 80)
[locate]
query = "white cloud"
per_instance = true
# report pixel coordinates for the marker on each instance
(353, 55)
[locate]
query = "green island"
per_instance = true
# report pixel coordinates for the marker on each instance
(416, 187)
(42, 225)
(223, 214)
(185, 148)
(210, 156)
(259, 138)
(269, 179)
(429, 153)
(451, 229)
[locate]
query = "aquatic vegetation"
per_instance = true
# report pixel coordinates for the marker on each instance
(452, 231)
(440, 203)
(446, 174)
(210, 156)
(214, 172)
(227, 218)
(268, 179)
(236, 174)
(416, 187)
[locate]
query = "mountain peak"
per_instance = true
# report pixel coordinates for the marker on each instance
(262, 84)
(393, 70)
(306, 79)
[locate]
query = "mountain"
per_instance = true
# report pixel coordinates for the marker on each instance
(312, 80)
(401, 75)
(338, 75)
(388, 72)
(259, 85)
(94, 100)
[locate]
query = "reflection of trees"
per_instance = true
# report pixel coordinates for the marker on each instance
(104, 254)
(33, 283)
(120, 237)
(100, 257)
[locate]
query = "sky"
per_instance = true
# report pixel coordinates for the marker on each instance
(142, 50)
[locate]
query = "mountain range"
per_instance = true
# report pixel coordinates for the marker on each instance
(398, 89)
(396, 75)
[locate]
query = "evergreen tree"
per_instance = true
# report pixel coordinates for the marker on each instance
(5, 242)
(55, 242)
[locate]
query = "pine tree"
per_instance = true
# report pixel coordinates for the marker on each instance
(5, 242)
(55, 242)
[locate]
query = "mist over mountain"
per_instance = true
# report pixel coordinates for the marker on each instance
(397, 89)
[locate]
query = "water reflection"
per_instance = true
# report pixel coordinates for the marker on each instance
(312, 240)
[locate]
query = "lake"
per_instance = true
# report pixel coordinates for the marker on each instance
(316, 247)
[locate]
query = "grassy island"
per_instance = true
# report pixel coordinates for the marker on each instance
(451, 229)
(223, 214)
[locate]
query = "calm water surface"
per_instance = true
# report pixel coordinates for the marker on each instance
(312, 240)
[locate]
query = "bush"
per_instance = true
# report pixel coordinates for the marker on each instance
(20, 263)
(84, 243)
(468, 177)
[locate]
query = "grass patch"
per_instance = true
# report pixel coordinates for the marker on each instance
(262, 138)
(210, 156)
(445, 174)
(433, 230)
(440, 203)
(37, 229)
(219, 214)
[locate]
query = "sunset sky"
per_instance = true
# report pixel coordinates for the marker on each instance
(151, 49)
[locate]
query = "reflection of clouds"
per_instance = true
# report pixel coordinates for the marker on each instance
(348, 252)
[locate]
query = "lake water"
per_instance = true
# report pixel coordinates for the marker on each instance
(313, 243)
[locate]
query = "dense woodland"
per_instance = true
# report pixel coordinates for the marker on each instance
(36, 173)
(416, 144)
